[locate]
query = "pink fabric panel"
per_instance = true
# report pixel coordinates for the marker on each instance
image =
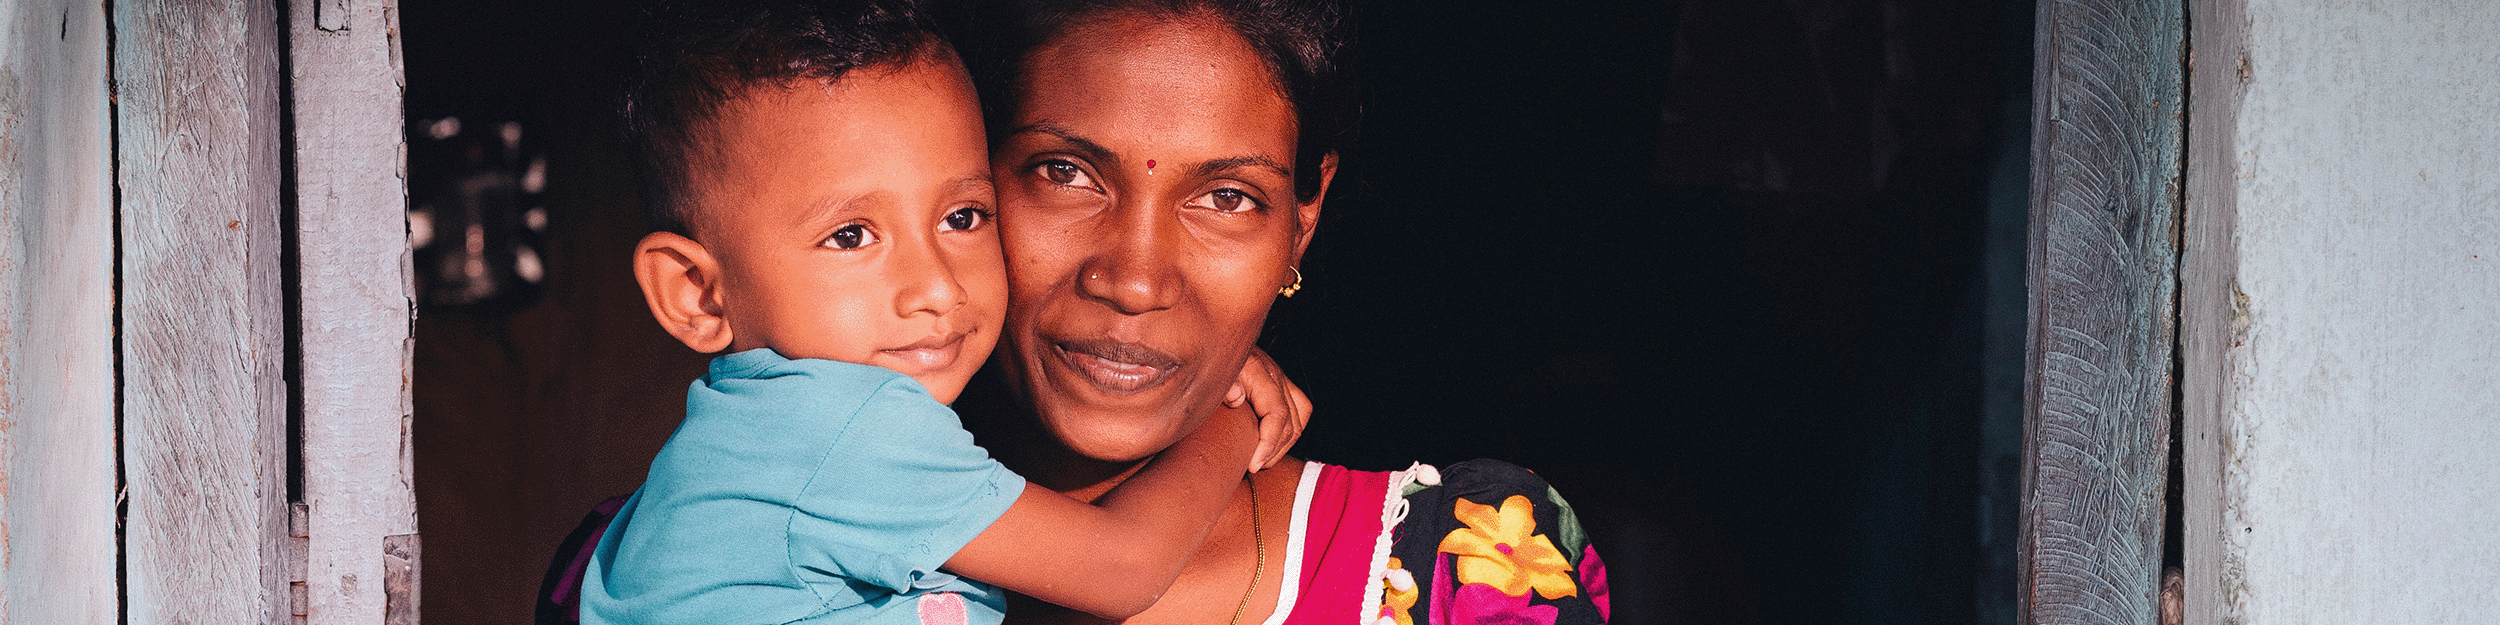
(1343, 529)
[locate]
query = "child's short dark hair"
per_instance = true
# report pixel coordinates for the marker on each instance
(694, 55)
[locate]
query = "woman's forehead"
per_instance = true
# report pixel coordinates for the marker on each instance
(1157, 84)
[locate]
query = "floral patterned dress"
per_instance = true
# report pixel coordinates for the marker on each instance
(1480, 542)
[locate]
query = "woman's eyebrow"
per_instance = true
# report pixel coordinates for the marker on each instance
(1221, 165)
(1102, 157)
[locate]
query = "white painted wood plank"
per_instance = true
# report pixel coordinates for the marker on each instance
(203, 400)
(353, 275)
(56, 317)
(2359, 433)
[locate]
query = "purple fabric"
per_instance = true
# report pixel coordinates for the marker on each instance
(568, 589)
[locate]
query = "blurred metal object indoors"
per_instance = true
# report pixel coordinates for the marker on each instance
(476, 225)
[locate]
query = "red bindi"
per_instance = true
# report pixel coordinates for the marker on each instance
(1150, 164)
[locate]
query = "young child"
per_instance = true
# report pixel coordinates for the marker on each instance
(822, 190)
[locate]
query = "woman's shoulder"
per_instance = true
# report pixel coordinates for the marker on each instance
(1487, 486)
(1487, 538)
(1487, 489)
(1481, 476)
(1424, 487)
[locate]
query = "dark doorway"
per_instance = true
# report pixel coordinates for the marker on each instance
(1739, 277)
(1743, 278)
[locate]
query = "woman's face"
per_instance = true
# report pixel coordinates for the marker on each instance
(1148, 213)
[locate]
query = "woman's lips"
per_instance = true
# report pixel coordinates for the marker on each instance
(1116, 367)
(930, 354)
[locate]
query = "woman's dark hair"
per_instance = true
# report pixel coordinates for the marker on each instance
(694, 55)
(1306, 44)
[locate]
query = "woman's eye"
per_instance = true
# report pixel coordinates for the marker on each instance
(966, 218)
(1066, 174)
(851, 237)
(1225, 201)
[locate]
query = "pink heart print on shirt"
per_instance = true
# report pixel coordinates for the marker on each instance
(943, 608)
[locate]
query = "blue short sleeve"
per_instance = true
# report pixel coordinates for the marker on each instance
(898, 494)
(799, 490)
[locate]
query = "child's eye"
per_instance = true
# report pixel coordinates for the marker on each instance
(966, 218)
(1224, 201)
(1065, 173)
(851, 237)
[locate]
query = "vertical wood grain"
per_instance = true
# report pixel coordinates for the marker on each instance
(2104, 255)
(353, 275)
(203, 400)
(56, 316)
(2210, 314)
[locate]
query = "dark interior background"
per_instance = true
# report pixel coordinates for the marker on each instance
(1743, 278)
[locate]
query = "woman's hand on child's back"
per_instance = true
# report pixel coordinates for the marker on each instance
(1282, 408)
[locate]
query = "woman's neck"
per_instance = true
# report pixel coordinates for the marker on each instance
(1060, 469)
(1017, 439)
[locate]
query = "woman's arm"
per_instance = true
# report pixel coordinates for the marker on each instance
(1115, 557)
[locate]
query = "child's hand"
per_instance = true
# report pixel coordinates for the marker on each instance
(1282, 408)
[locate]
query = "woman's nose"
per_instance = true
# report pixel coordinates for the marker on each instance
(1133, 268)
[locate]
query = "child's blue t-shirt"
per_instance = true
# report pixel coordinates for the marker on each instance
(806, 491)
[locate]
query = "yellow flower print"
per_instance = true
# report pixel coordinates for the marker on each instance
(1398, 595)
(1496, 549)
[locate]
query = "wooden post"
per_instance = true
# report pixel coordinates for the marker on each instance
(2211, 313)
(204, 397)
(2104, 258)
(353, 279)
(57, 546)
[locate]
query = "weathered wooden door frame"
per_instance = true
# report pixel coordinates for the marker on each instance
(204, 139)
(178, 314)
(2108, 130)
(199, 251)
(358, 509)
(58, 509)
(2211, 308)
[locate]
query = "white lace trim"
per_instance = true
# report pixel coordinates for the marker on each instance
(1392, 512)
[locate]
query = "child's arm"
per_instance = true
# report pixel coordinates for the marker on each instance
(1115, 557)
(1283, 409)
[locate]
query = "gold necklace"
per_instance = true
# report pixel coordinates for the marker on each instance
(1258, 536)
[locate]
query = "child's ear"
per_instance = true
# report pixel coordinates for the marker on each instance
(681, 281)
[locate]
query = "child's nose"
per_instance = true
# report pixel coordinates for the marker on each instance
(926, 284)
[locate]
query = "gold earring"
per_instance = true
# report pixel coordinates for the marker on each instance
(1287, 290)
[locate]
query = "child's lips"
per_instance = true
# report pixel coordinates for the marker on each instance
(932, 353)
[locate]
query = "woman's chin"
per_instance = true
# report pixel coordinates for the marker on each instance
(1113, 435)
(1104, 442)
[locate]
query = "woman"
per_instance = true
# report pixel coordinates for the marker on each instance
(1161, 166)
